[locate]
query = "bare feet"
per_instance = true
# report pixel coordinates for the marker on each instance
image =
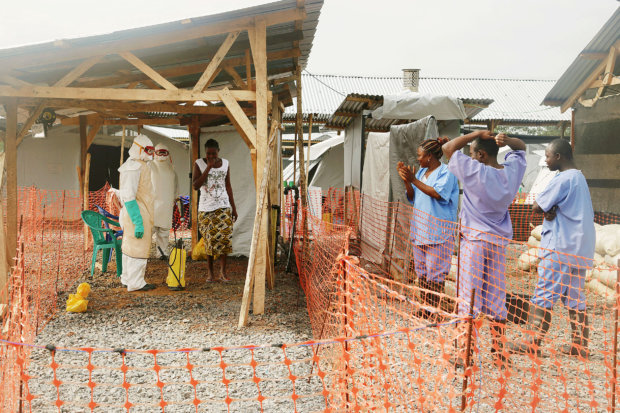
(223, 278)
(209, 277)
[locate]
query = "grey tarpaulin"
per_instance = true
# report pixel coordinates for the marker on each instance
(411, 105)
(404, 142)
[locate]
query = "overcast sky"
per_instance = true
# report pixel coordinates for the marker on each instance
(528, 39)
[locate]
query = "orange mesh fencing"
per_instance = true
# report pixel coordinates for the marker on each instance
(386, 337)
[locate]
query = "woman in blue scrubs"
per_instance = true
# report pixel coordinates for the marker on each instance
(434, 193)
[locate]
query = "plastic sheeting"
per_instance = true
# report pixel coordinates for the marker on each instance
(404, 142)
(375, 184)
(411, 105)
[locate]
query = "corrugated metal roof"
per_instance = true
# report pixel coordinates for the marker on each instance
(582, 67)
(513, 100)
(188, 52)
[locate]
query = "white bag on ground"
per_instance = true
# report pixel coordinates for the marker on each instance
(605, 275)
(532, 242)
(528, 260)
(601, 289)
(608, 240)
(537, 232)
(611, 260)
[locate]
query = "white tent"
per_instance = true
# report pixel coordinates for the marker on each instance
(325, 163)
(50, 163)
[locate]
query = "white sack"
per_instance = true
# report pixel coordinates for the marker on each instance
(536, 232)
(532, 242)
(608, 240)
(606, 275)
(528, 260)
(410, 105)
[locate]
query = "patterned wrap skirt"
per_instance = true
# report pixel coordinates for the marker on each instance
(216, 228)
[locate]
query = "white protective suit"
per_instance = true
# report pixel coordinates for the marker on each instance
(135, 184)
(165, 185)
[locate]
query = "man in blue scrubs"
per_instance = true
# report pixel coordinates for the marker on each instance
(566, 251)
(488, 190)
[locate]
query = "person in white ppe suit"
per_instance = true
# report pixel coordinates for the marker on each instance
(136, 216)
(165, 184)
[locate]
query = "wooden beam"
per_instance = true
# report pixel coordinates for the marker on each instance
(149, 40)
(593, 55)
(66, 80)
(85, 198)
(129, 107)
(92, 133)
(248, 68)
(147, 70)
(4, 264)
(46, 92)
(126, 122)
(83, 130)
(586, 83)
(239, 119)
(13, 81)
(258, 230)
(259, 53)
(194, 131)
(237, 80)
(208, 74)
(78, 71)
(182, 70)
(10, 149)
(284, 80)
(608, 75)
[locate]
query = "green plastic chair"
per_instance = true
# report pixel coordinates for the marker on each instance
(94, 222)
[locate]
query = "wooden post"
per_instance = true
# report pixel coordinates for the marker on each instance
(85, 197)
(258, 43)
(4, 267)
(615, 340)
(123, 146)
(83, 149)
(300, 127)
(310, 117)
(468, 350)
(194, 131)
(572, 129)
(10, 149)
(250, 276)
(274, 192)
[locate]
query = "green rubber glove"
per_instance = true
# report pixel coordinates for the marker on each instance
(134, 213)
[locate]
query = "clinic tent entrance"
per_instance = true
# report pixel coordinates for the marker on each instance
(197, 72)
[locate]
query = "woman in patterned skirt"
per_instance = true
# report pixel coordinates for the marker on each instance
(216, 211)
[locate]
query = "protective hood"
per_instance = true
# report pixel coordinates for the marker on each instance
(137, 149)
(162, 158)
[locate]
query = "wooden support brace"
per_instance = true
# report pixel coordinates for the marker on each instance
(148, 70)
(4, 264)
(237, 80)
(258, 229)
(258, 44)
(238, 117)
(10, 149)
(214, 64)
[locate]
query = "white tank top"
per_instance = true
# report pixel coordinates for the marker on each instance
(213, 193)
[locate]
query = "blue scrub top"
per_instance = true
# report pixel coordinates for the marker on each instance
(487, 194)
(428, 225)
(572, 230)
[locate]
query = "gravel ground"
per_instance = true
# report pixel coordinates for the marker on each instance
(204, 315)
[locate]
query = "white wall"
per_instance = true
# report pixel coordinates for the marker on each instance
(50, 163)
(234, 149)
(353, 153)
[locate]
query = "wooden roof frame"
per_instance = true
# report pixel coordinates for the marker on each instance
(110, 104)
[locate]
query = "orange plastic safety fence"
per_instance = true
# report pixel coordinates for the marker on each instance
(393, 320)
(559, 358)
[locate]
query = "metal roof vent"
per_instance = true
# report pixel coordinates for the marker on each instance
(411, 79)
